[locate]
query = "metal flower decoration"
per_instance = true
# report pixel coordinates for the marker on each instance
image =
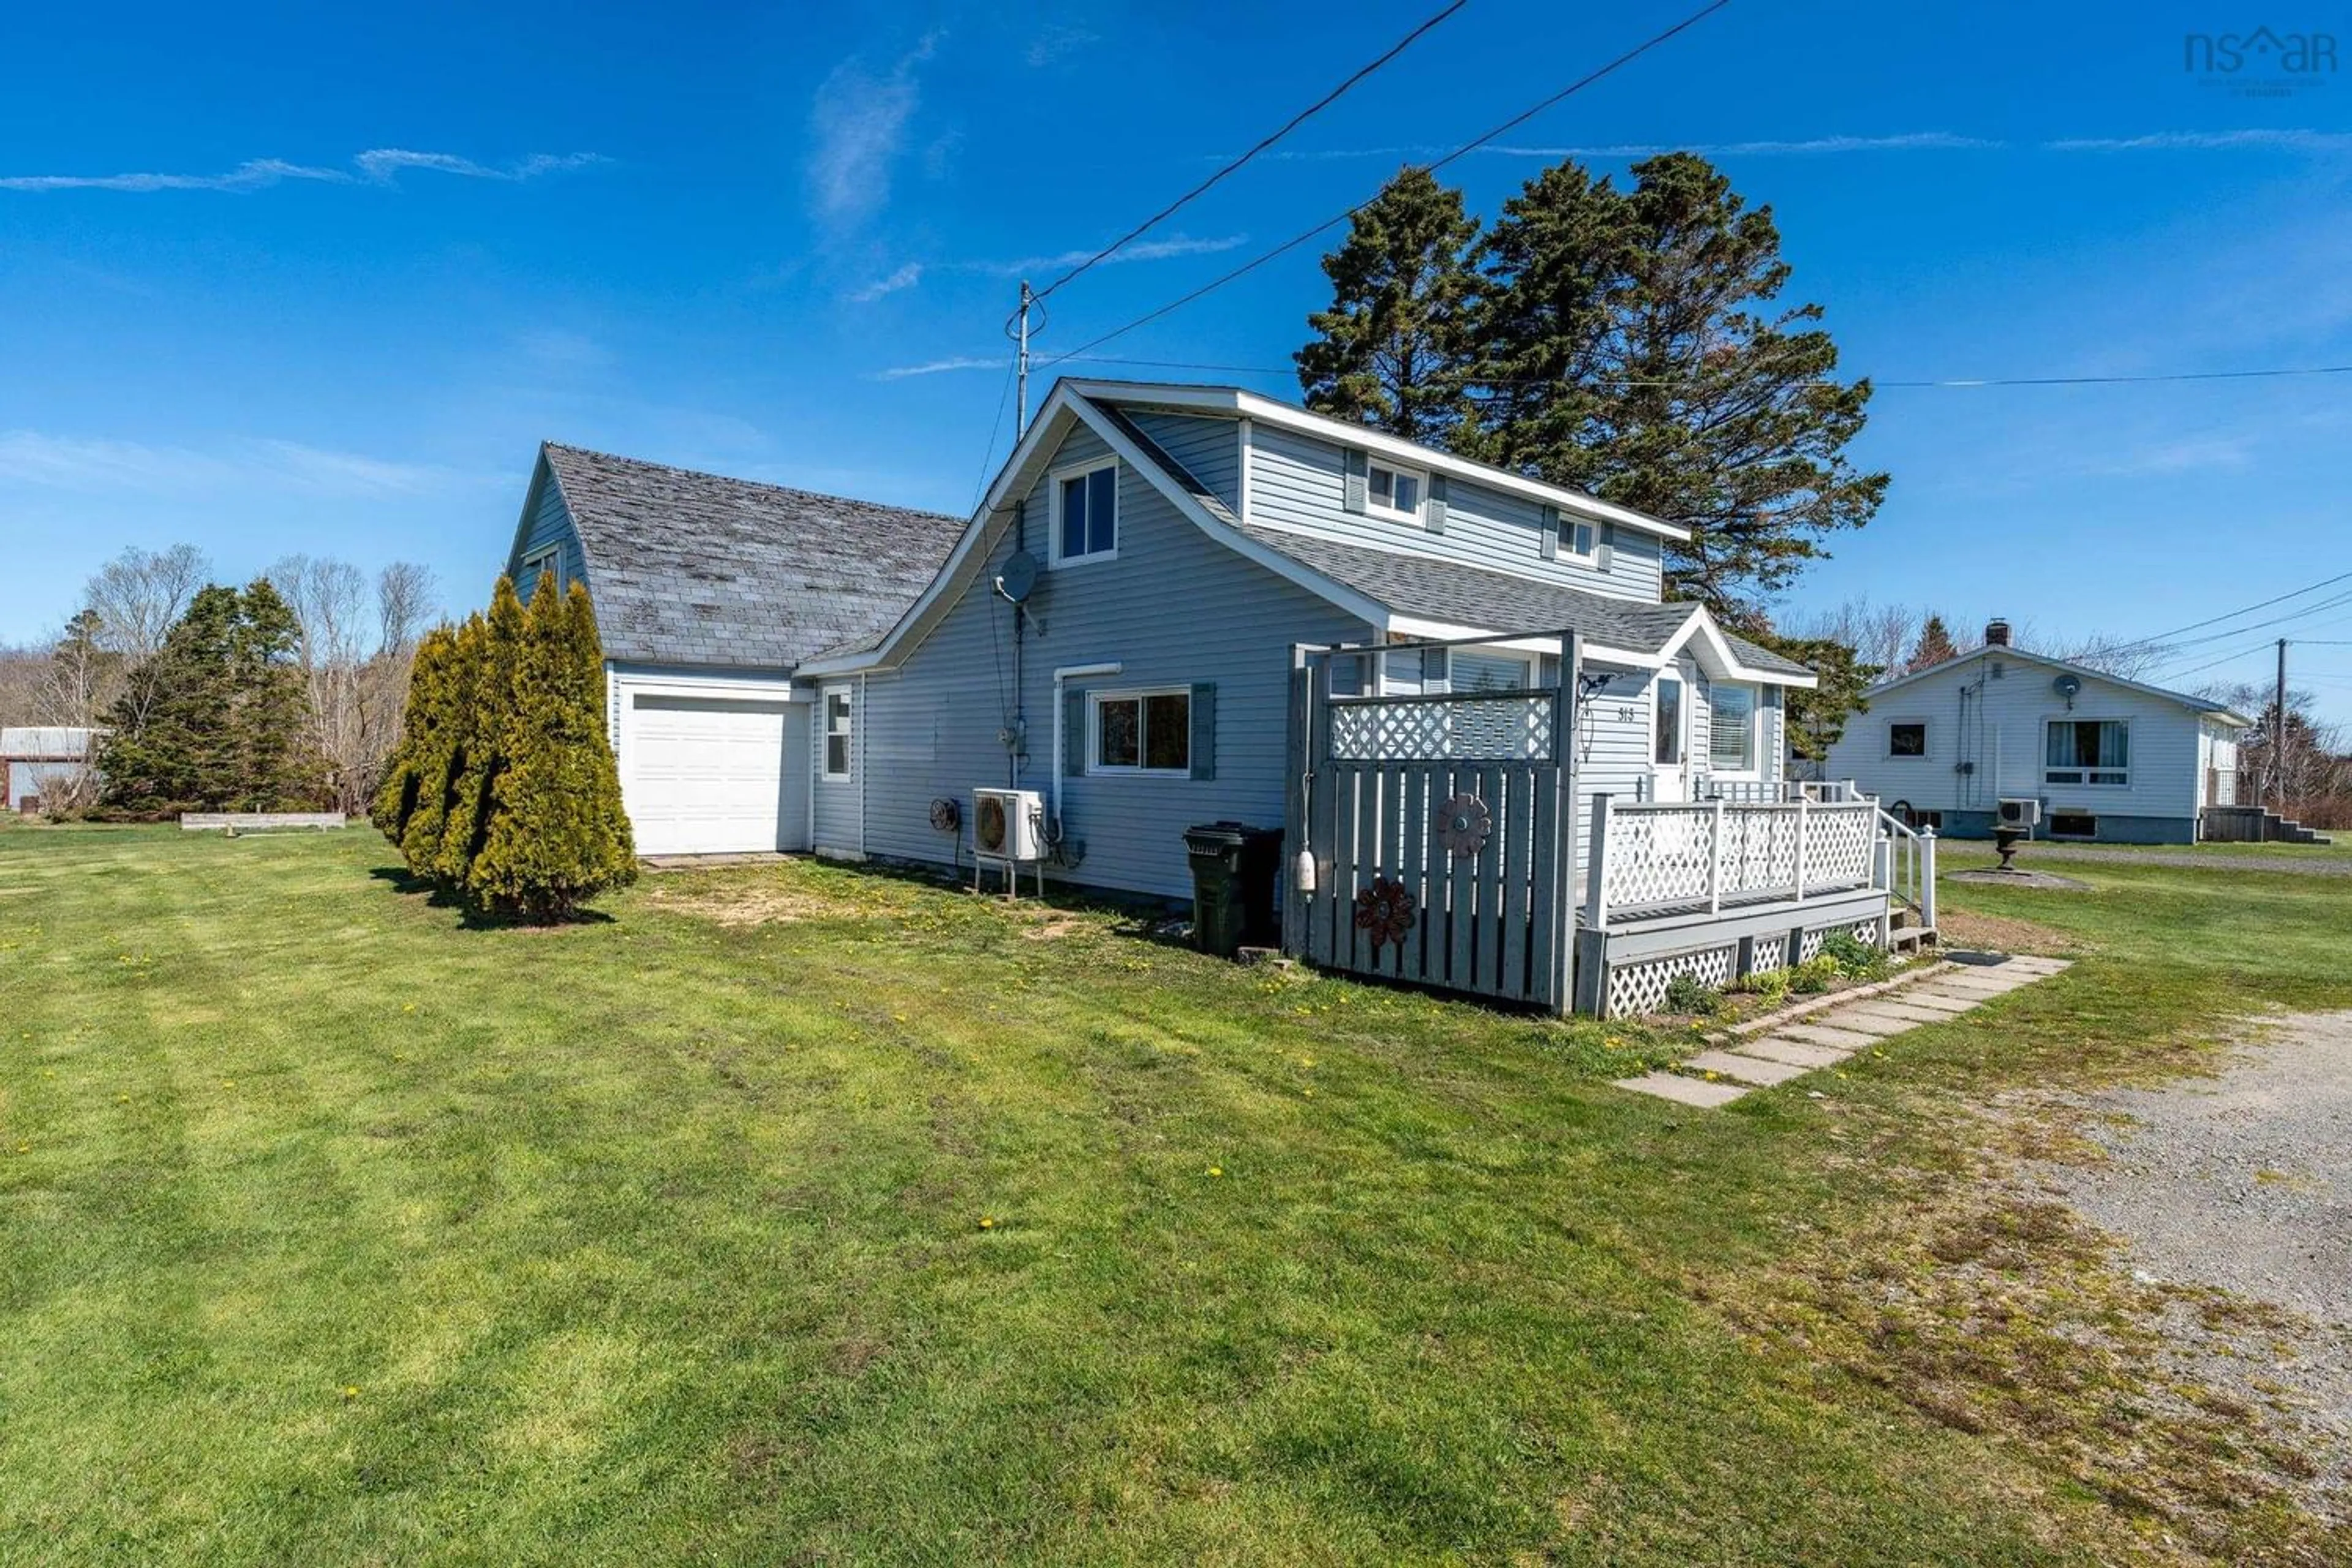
(1384, 911)
(1464, 825)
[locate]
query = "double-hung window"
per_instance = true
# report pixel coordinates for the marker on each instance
(1086, 514)
(1731, 728)
(2087, 752)
(1141, 732)
(840, 731)
(1395, 492)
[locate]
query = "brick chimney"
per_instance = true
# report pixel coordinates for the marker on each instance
(1996, 632)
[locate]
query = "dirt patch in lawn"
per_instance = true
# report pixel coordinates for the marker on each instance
(2001, 933)
(744, 904)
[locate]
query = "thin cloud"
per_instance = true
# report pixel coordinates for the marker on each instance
(1057, 41)
(936, 367)
(1149, 251)
(32, 458)
(859, 121)
(907, 277)
(377, 166)
(2211, 142)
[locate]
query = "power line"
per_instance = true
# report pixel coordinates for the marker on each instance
(1628, 57)
(2248, 610)
(1295, 122)
(1962, 383)
(2263, 646)
(995, 425)
(2340, 599)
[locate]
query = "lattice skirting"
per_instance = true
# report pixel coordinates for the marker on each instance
(1641, 986)
(1864, 931)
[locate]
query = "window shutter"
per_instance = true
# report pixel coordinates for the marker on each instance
(1549, 533)
(1548, 670)
(1435, 674)
(1607, 558)
(1433, 514)
(1075, 739)
(1357, 482)
(1204, 730)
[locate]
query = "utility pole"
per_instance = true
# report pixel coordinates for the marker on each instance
(2278, 733)
(1021, 405)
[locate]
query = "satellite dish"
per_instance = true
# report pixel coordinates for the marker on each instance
(2068, 686)
(1019, 579)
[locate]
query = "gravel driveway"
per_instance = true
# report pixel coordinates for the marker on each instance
(2243, 1182)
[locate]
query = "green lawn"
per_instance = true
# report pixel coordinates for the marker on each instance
(799, 1215)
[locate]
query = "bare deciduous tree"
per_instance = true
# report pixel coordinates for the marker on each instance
(138, 597)
(354, 658)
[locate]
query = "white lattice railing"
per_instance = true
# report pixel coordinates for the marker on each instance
(1465, 726)
(1650, 859)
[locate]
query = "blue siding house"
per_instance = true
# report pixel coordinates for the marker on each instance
(1184, 542)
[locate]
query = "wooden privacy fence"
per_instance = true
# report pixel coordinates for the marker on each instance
(1437, 831)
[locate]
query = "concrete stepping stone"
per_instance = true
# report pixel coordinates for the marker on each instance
(1759, 1071)
(1860, 1019)
(1796, 1053)
(1900, 1013)
(1692, 1091)
(1938, 1001)
(1827, 1033)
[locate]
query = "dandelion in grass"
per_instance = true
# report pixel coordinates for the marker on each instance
(350, 1391)
(1216, 1170)
(988, 1222)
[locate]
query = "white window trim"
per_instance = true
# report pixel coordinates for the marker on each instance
(2085, 780)
(1926, 741)
(1053, 483)
(825, 734)
(1137, 694)
(1532, 662)
(1682, 740)
(1755, 768)
(1396, 514)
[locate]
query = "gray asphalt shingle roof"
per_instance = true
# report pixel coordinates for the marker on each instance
(1448, 590)
(694, 568)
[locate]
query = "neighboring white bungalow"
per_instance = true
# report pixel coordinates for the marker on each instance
(38, 762)
(2102, 757)
(709, 592)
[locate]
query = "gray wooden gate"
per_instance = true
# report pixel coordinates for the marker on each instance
(1438, 829)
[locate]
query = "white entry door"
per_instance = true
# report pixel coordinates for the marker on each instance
(1669, 738)
(709, 776)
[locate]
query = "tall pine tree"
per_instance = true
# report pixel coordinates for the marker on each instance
(403, 791)
(271, 702)
(1390, 352)
(482, 723)
(1729, 421)
(557, 836)
(1934, 647)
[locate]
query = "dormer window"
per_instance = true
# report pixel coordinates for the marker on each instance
(1086, 514)
(1396, 492)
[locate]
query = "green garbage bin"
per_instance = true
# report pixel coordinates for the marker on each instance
(1233, 871)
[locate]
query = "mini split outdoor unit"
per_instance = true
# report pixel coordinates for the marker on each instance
(1009, 824)
(2020, 813)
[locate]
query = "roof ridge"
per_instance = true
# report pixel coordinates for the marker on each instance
(602, 456)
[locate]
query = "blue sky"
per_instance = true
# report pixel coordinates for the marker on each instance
(279, 279)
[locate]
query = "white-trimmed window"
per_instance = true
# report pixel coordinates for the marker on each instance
(840, 731)
(549, 558)
(2087, 752)
(1906, 740)
(1492, 669)
(1147, 732)
(1394, 491)
(1731, 728)
(1086, 513)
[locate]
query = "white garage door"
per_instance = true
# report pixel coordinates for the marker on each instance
(708, 776)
